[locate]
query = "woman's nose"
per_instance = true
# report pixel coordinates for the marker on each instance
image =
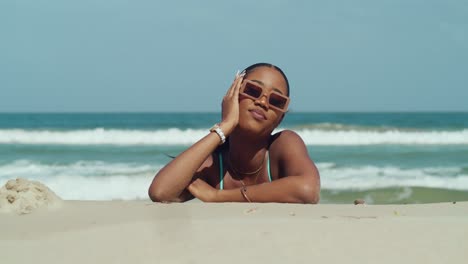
(263, 101)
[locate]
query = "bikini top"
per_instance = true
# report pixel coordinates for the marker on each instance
(221, 170)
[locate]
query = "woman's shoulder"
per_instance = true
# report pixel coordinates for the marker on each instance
(290, 153)
(286, 138)
(286, 142)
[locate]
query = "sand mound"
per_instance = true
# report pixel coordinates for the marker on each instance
(23, 196)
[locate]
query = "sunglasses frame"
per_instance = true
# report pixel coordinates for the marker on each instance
(246, 81)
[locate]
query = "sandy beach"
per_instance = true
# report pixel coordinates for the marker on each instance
(105, 105)
(145, 232)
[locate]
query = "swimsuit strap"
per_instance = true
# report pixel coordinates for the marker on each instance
(221, 170)
(221, 174)
(268, 165)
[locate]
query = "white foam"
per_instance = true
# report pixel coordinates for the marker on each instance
(101, 136)
(108, 181)
(318, 137)
(373, 177)
(176, 136)
(85, 180)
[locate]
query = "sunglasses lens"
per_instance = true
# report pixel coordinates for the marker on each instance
(253, 90)
(278, 101)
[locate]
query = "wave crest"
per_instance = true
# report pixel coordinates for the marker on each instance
(176, 136)
(96, 180)
(373, 177)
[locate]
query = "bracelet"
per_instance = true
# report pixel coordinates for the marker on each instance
(243, 191)
(220, 133)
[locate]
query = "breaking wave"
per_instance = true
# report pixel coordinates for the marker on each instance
(175, 136)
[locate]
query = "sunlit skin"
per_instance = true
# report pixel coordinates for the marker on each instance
(248, 124)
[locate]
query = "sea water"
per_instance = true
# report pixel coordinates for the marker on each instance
(379, 157)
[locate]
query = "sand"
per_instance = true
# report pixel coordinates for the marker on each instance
(145, 232)
(23, 196)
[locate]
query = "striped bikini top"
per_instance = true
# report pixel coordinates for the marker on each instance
(221, 170)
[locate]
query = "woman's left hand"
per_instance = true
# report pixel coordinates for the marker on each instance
(203, 191)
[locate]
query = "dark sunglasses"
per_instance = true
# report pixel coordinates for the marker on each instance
(254, 91)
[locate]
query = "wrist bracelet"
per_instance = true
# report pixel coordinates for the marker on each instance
(243, 191)
(218, 131)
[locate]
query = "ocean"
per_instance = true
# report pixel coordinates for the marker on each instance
(383, 158)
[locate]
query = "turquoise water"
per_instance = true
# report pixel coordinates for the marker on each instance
(381, 157)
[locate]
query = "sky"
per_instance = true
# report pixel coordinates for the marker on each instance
(181, 56)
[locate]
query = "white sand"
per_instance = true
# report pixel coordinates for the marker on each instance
(144, 232)
(22, 196)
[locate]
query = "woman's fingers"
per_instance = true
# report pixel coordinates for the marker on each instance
(234, 89)
(202, 190)
(238, 86)
(230, 105)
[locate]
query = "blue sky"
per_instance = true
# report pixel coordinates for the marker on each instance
(102, 55)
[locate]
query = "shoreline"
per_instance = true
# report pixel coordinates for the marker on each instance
(146, 232)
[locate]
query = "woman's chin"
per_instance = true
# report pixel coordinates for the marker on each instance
(253, 127)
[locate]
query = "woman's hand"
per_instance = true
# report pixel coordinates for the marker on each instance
(230, 106)
(203, 191)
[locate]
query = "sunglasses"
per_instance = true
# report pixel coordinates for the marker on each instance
(254, 91)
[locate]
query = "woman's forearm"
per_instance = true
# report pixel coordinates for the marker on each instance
(291, 189)
(172, 180)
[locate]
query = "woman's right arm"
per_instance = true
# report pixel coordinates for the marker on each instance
(170, 182)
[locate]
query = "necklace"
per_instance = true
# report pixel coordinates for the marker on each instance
(242, 182)
(237, 173)
(245, 173)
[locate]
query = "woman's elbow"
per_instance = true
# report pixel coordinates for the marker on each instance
(310, 193)
(157, 194)
(160, 195)
(154, 194)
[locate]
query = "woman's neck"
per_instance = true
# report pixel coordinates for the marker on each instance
(246, 154)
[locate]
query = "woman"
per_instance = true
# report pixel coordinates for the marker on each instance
(239, 160)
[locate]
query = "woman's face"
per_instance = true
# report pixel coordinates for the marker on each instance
(256, 115)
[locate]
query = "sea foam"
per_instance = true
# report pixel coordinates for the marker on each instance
(92, 180)
(176, 136)
(374, 177)
(86, 180)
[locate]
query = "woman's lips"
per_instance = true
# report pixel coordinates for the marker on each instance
(258, 114)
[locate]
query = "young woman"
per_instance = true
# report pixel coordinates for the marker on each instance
(239, 160)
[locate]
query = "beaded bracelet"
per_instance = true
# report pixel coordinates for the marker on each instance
(220, 133)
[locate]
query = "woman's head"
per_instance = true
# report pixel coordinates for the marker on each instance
(255, 114)
(268, 65)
